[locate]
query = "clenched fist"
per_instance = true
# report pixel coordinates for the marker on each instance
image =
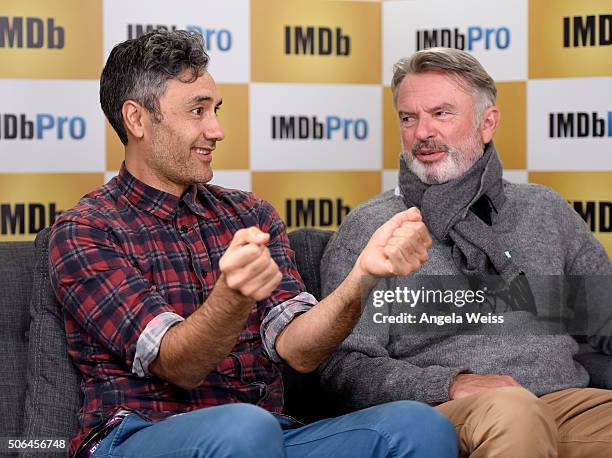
(398, 247)
(248, 266)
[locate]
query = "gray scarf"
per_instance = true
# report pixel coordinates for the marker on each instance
(461, 212)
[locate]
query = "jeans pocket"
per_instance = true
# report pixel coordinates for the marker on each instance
(129, 426)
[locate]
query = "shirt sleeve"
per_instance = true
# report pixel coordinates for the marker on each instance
(279, 317)
(289, 299)
(149, 341)
(103, 292)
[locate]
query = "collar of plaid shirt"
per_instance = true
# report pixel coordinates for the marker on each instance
(157, 202)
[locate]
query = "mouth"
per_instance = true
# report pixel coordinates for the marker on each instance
(429, 155)
(204, 153)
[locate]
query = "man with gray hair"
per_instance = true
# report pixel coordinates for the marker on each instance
(508, 395)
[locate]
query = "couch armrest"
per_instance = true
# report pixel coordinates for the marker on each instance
(599, 367)
(53, 395)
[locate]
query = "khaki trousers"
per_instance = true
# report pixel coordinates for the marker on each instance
(512, 422)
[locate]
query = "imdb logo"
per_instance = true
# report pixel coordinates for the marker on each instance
(315, 199)
(315, 42)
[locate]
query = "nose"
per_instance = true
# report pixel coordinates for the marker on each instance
(213, 130)
(424, 129)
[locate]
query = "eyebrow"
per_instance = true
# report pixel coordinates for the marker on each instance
(203, 98)
(443, 106)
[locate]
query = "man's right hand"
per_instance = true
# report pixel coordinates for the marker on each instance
(467, 384)
(248, 274)
(247, 266)
(398, 247)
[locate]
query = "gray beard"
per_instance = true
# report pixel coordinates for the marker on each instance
(454, 165)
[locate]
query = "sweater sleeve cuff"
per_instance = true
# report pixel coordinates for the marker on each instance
(437, 390)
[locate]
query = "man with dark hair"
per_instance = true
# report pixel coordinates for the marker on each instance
(182, 298)
(519, 394)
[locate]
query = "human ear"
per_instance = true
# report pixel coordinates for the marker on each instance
(133, 119)
(489, 123)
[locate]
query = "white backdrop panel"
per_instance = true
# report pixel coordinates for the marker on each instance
(567, 97)
(226, 25)
(58, 124)
(235, 179)
(352, 106)
(499, 26)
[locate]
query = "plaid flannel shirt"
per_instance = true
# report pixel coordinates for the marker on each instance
(129, 261)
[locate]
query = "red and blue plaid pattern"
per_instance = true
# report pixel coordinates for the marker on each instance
(127, 253)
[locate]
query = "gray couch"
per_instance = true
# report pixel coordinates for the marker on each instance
(39, 386)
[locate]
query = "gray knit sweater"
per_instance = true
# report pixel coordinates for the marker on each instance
(545, 236)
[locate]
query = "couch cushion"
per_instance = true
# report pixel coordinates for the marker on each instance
(304, 399)
(16, 264)
(309, 245)
(53, 395)
(599, 367)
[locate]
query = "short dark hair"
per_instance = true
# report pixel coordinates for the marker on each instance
(138, 70)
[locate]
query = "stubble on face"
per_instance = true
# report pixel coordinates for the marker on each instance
(171, 160)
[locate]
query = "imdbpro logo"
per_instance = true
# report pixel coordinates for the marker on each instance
(42, 126)
(31, 32)
(474, 38)
(216, 39)
(310, 128)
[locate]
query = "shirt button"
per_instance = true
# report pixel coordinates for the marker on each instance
(184, 229)
(204, 274)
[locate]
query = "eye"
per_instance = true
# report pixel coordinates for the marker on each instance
(442, 114)
(407, 119)
(198, 111)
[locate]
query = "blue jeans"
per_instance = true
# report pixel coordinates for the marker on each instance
(397, 429)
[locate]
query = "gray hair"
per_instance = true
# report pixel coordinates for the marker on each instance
(138, 70)
(461, 65)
